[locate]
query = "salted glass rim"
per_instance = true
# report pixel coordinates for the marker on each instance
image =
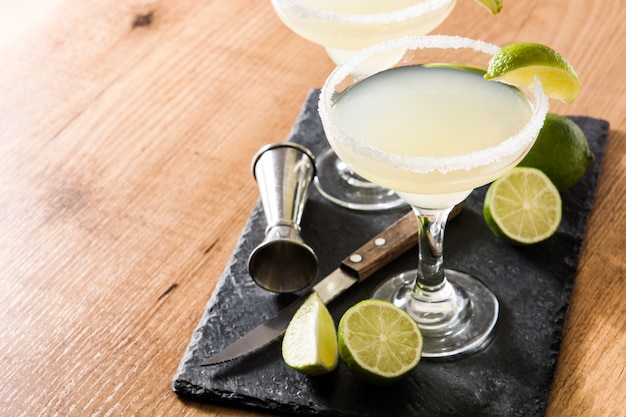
(510, 146)
(398, 15)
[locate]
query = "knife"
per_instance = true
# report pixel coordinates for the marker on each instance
(361, 264)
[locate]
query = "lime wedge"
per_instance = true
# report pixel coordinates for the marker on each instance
(310, 341)
(379, 342)
(561, 151)
(494, 6)
(519, 63)
(523, 206)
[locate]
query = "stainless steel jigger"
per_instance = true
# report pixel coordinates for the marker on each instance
(283, 263)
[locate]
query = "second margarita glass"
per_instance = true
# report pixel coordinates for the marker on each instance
(343, 28)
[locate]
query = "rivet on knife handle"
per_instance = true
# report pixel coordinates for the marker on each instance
(384, 248)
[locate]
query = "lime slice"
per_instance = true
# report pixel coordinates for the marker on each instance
(494, 6)
(310, 341)
(523, 206)
(477, 70)
(561, 151)
(379, 342)
(519, 63)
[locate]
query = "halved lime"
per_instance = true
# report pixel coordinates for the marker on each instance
(519, 63)
(494, 6)
(310, 341)
(523, 206)
(379, 342)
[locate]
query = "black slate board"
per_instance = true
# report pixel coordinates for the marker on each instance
(512, 377)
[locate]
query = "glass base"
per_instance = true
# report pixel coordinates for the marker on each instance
(458, 320)
(339, 184)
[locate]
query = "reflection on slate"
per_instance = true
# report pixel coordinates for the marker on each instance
(511, 377)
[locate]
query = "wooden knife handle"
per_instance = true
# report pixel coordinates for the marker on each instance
(383, 248)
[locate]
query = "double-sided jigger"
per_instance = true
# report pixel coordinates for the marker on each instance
(283, 263)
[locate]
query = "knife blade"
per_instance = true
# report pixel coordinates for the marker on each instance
(358, 266)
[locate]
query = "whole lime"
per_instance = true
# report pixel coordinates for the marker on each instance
(561, 151)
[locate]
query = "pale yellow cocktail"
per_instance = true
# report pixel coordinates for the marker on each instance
(422, 112)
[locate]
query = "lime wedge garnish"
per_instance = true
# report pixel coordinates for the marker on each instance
(379, 342)
(523, 206)
(310, 341)
(494, 6)
(519, 63)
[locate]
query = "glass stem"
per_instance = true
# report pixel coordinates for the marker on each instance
(432, 224)
(435, 302)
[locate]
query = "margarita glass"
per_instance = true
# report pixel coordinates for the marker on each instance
(432, 132)
(343, 28)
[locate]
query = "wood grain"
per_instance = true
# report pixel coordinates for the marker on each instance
(126, 134)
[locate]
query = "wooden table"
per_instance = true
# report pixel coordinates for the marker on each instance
(126, 134)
